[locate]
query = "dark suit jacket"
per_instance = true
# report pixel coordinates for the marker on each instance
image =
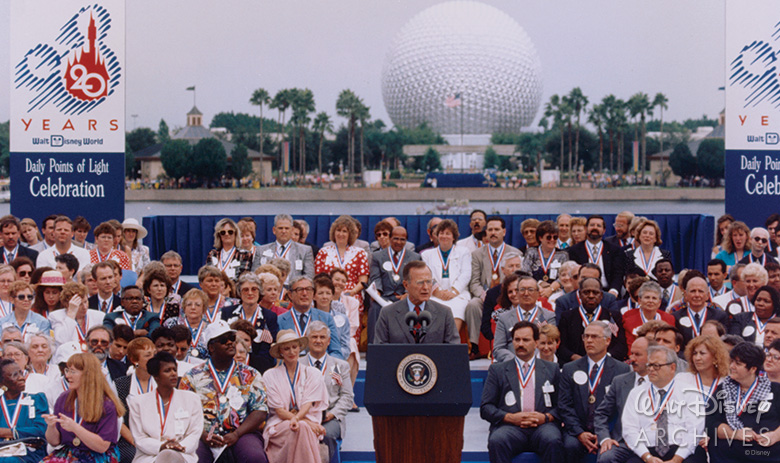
(423, 247)
(116, 369)
(629, 263)
(22, 251)
(571, 330)
(148, 321)
(488, 306)
(740, 322)
(183, 288)
(713, 313)
(383, 278)
(260, 358)
(502, 378)
(569, 301)
(390, 327)
(613, 259)
(610, 408)
(573, 404)
(614, 241)
(116, 303)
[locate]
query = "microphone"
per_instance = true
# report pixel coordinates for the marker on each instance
(410, 319)
(425, 320)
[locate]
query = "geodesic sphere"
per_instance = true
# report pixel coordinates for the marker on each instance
(469, 49)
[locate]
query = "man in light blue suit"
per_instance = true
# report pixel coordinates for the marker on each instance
(300, 316)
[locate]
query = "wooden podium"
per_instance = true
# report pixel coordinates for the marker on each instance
(418, 396)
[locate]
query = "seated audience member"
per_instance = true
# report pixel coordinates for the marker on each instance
(63, 244)
(73, 322)
(612, 447)
(648, 252)
(772, 362)
(352, 304)
(85, 278)
(735, 244)
(22, 316)
(167, 423)
(528, 230)
(68, 265)
(81, 228)
(754, 276)
(758, 245)
(17, 352)
(284, 267)
(29, 234)
(193, 318)
(173, 267)
(263, 320)
(670, 337)
(162, 301)
(296, 399)
(583, 385)
(510, 264)
(568, 279)
(41, 349)
(302, 313)
(563, 221)
(520, 301)
(210, 280)
(130, 233)
(661, 432)
(247, 229)
(713, 328)
(771, 331)
(47, 292)
(650, 296)
(7, 277)
(663, 272)
(10, 230)
(696, 308)
(751, 326)
(431, 230)
(544, 261)
(271, 290)
(528, 422)
(84, 424)
(716, 277)
(283, 247)
(11, 334)
(139, 382)
(226, 256)
(131, 313)
(105, 280)
(577, 230)
(631, 286)
(738, 289)
(105, 249)
(164, 341)
(183, 339)
(572, 323)
(305, 235)
(549, 341)
(123, 334)
(233, 399)
(772, 270)
(99, 339)
(382, 231)
(338, 383)
(751, 417)
(24, 268)
(731, 340)
(25, 419)
(324, 300)
(571, 301)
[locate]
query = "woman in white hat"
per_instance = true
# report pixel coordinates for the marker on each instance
(132, 232)
(296, 396)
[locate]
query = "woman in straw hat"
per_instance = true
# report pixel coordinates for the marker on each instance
(132, 232)
(296, 396)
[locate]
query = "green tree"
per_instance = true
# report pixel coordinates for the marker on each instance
(240, 165)
(347, 106)
(5, 146)
(363, 115)
(578, 102)
(302, 102)
(660, 101)
(140, 138)
(163, 132)
(490, 159)
(129, 162)
(209, 160)
(322, 124)
(175, 157)
(260, 98)
(639, 105)
(531, 146)
(709, 158)
(281, 102)
(556, 108)
(682, 162)
(597, 116)
(430, 161)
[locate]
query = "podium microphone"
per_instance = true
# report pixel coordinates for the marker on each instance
(411, 319)
(425, 320)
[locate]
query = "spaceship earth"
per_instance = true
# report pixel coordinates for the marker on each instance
(466, 49)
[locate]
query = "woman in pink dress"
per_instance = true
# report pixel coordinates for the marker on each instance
(342, 254)
(296, 397)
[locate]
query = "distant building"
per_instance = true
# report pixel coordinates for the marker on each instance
(457, 158)
(193, 132)
(661, 160)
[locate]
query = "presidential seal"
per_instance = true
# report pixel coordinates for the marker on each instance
(417, 374)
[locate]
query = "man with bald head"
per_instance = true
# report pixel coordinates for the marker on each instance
(386, 274)
(696, 309)
(431, 229)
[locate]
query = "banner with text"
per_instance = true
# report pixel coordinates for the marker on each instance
(67, 97)
(752, 110)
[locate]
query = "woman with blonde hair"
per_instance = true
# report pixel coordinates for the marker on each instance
(84, 423)
(226, 255)
(647, 251)
(735, 243)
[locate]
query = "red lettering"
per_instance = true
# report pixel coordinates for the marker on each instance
(764, 120)
(68, 125)
(114, 125)
(26, 124)
(92, 124)
(45, 124)
(742, 119)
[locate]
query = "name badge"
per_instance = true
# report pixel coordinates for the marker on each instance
(298, 264)
(510, 399)
(547, 387)
(763, 406)
(547, 400)
(268, 253)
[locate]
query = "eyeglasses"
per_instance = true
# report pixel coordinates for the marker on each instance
(656, 366)
(226, 338)
(24, 273)
(99, 342)
(422, 283)
(775, 357)
(551, 237)
(25, 297)
(585, 337)
(758, 239)
(383, 234)
(527, 290)
(308, 289)
(227, 232)
(69, 371)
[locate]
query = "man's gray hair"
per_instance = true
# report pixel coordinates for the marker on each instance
(171, 255)
(317, 326)
(510, 255)
(604, 326)
(11, 329)
(671, 356)
(280, 217)
(299, 278)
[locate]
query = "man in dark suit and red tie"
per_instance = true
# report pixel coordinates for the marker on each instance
(520, 399)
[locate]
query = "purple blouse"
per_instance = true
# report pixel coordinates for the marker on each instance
(107, 427)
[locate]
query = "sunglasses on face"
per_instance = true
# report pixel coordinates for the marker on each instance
(227, 232)
(98, 342)
(225, 338)
(24, 273)
(758, 239)
(25, 297)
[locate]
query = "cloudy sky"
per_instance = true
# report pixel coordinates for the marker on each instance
(229, 48)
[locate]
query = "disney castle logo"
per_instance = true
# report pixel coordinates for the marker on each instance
(77, 72)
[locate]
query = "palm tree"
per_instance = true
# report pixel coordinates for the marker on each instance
(578, 102)
(616, 122)
(608, 104)
(554, 109)
(597, 117)
(322, 124)
(661, 101)
(281, 102)
(302, 105)
(260, 98)
(347, 106)
(363, 116)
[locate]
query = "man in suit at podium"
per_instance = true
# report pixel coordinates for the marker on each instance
(391, 328)
(520, 400)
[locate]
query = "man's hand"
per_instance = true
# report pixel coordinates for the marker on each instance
(589, 440)
(608, 444)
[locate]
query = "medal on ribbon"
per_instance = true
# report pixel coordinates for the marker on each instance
(221, 386)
